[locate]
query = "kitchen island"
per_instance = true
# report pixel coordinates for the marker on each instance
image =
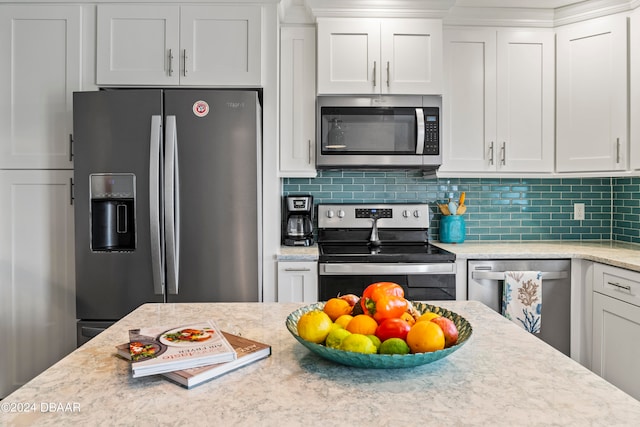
(501, 376)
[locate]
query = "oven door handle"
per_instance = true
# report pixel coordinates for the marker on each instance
(385, 268)
(499, 275)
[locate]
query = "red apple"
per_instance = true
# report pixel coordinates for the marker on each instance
(350, 298)
(449, 328)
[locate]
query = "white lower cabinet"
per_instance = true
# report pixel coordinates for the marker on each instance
(37, 285)
(297, 281)
(616, 327)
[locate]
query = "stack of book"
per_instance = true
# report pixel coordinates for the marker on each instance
(190, 354)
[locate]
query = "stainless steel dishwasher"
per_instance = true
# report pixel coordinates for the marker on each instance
(486, 281)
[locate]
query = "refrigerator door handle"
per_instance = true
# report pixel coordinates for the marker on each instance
(155, 159)
(171, 211)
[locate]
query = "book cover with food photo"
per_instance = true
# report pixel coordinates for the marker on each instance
(156, 350)
(248, 351)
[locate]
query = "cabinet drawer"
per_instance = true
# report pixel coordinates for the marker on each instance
(617, 283)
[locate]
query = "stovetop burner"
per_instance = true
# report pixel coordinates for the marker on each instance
(345, 234)
(347, 252)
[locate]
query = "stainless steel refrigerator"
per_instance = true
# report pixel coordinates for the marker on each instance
(167, 199)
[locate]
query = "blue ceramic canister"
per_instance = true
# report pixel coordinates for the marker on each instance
(452, 229)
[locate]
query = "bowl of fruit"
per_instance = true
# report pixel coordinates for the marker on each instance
(380, 329)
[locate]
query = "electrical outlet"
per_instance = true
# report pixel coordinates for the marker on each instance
(578, 211)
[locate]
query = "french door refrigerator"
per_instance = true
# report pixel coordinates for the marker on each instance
(167, 199)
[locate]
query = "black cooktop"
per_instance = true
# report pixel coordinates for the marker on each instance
(386, 252)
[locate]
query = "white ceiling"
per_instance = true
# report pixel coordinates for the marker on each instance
(541, 4)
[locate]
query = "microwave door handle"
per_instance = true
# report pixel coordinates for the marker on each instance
(420, 133)
(156, 214)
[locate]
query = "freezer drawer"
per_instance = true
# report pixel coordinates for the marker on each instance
(485, 284)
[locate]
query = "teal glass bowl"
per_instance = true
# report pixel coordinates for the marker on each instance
(382, 361)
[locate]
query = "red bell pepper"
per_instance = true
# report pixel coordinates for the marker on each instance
(383, 300)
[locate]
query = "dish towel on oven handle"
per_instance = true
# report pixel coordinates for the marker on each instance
(522, 299)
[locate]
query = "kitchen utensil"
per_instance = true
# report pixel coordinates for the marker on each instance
(383, 361)
(453, 208)
(444, 208)
(462, 197)
(461, 209)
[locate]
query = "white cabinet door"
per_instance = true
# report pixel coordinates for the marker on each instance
(616, 347)
(634, 90)
(220, 45)
(348, 56)
(499, 101)
(469, 101)
(138, 45)
(297, 101)
(592, 95)
(297, 281)
(411, 56)
(37, 279)
(40, 46)
(379, 56)
(525, 101)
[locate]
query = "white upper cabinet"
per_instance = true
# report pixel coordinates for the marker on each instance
(592, 95)
(297, 101)
(634, 90)
(499, 101)
(379, 56)
(179, 45)
(41, 48)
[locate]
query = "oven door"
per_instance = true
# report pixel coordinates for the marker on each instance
(421, 282)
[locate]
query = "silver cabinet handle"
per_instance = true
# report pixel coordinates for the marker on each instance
(503, 153)
(383, 268)
(499, 275)
(619, 286)
(491, 153)
(71, 191)
(185, 62)
(297, 269)
(310, 152)
(155, 213)
(388, 74)
(170, 62)
(374, 73)
(617, 150)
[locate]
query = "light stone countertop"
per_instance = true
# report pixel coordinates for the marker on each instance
(619, 254)
(298, 253)
(502, 376)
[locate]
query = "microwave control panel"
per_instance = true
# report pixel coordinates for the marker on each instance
(431, 131)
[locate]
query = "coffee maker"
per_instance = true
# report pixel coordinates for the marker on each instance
(298, 220)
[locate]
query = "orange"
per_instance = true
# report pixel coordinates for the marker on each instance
(427, 316)
(336, 307)
(362, 324)
(407, 317)
(314, 326)
(424, 337)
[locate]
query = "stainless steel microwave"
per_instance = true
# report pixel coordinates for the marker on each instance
(379, 132)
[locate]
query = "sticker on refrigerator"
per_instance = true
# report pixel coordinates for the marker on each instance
(200, 108)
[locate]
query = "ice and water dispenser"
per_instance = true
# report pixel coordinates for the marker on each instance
(113, 221)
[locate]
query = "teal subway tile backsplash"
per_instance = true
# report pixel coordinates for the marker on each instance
(497, 208)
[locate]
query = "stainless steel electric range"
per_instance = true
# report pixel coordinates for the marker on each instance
(362, 244)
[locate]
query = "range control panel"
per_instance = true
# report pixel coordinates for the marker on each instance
(411, 215)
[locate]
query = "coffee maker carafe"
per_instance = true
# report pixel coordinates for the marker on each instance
(298, 220)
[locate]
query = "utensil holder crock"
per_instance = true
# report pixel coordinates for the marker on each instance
(452, 229)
